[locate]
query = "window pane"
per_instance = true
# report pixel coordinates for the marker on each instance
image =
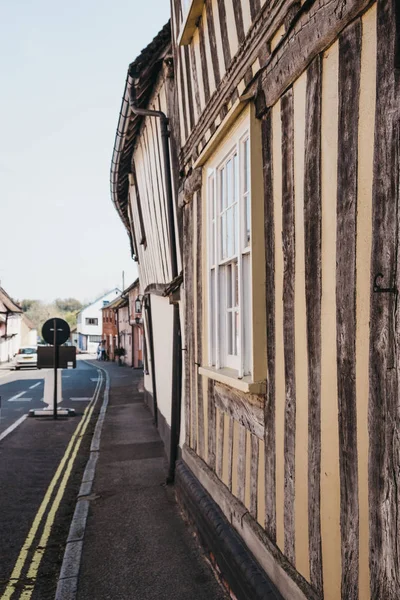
(212, 219)
(229, 287)
(223, 236)
(230, 231)
(235, 228)
(212, 244)
(246, 314)
(246, 166)
(236, 333)
(222, 203)
(248, 220)
(212, 317)
(236, 284)
(235, 179)
(229, 332)
(229, 187)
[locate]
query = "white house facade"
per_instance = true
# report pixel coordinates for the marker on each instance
(10, 327)
(89, 322)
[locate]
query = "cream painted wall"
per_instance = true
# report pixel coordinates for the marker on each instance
(162, 314)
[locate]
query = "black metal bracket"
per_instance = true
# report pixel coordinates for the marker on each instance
(380, 290)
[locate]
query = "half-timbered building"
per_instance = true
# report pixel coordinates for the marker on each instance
(284, 119)
(143, 187)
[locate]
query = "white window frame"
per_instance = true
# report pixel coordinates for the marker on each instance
(217, 264)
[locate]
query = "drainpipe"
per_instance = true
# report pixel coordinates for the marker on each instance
(176, 391)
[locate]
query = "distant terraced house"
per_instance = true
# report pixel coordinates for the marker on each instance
(256, 169)
(16, 330)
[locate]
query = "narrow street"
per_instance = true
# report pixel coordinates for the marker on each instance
(41, 466)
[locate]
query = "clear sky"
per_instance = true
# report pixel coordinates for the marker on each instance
(63, 67)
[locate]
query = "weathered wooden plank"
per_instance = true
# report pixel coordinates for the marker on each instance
(241, 472)
(288, 246)
(346, 211)
(264, 54)
(158, 192)
(312, 242)
(269, 410)
(191, 185)
(196, 92)
(254, 476)
(220, 443)
(316, 26)
(213, 42)
(237, 11)
(383, 409)
(247, 409)
(189, 71)
(224, 32)
(178, 14)
(182, 106)
(397, 35)
(254, 8)
(171, 93)
(211, 424)
(139, 206)
(186, 239)
(152, 221)
(204, 67)
(199, 322)
(230, 453)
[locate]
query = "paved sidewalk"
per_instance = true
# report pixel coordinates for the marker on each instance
(136, 544)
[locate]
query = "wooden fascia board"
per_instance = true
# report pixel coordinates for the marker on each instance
(190, 23)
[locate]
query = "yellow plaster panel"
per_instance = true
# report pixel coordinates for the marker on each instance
(301, 455)
(181, 98)
(225, 458)
(205, 402)
(246, 15)
(330, 481)
(248, 467)
(196, 47)
(235, 457)
(276, 38)
(279, 359)
(261, 484)
(364, 233)
(231, 26)
(218, 448)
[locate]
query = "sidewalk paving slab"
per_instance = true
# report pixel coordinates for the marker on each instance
(137, 545)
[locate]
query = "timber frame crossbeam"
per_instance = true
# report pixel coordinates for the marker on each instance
(304, 40)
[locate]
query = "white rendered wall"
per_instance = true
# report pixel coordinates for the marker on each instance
(162, 314)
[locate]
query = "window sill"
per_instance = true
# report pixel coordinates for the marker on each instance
(229, 377)
(190, 22)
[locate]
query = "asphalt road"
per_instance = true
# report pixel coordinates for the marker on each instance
(41, 467)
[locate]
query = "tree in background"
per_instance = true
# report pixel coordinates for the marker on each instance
(68, 305)
(38, 311)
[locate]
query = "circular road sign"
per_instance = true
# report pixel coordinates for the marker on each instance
(62, 331)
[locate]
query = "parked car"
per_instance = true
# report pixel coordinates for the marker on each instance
(26, 357)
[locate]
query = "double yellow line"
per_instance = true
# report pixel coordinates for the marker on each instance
(68, 459)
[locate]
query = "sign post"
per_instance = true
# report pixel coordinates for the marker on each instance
(55, 331)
